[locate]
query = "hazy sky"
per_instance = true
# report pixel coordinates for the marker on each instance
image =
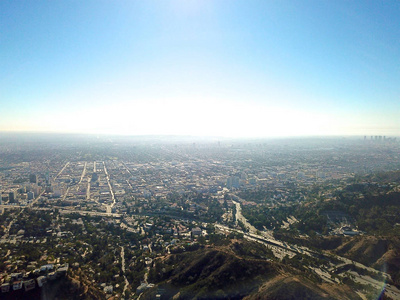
(226, 68)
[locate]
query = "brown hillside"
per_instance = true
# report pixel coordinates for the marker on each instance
(370, 250)
(365, 249)
(381, 253)
(283, 287)
(233, 272)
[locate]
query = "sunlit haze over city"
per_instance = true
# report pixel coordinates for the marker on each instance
(199, 149)
(201, 68)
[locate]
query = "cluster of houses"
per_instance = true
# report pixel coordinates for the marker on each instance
(30, 280)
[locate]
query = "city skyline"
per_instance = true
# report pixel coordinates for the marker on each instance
(234, 69)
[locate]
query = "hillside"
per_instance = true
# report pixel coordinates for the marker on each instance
(382, 253)
(284, 287)
(232, 272)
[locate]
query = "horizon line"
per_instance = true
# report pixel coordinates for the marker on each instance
(64, 133)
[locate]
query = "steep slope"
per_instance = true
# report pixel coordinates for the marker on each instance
(381, 253)
(214, 274)
(283, 287)
(235, 271)
(365, 249)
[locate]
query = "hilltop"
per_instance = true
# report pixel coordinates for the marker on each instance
(239, 270)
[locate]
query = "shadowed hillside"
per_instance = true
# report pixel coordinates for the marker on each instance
(233, 272)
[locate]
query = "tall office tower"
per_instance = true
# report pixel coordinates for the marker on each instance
(95, 177)
(31, 195)
(11, 197)
(33, 178)
(229, 183)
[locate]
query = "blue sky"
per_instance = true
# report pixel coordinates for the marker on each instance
(226, 68)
